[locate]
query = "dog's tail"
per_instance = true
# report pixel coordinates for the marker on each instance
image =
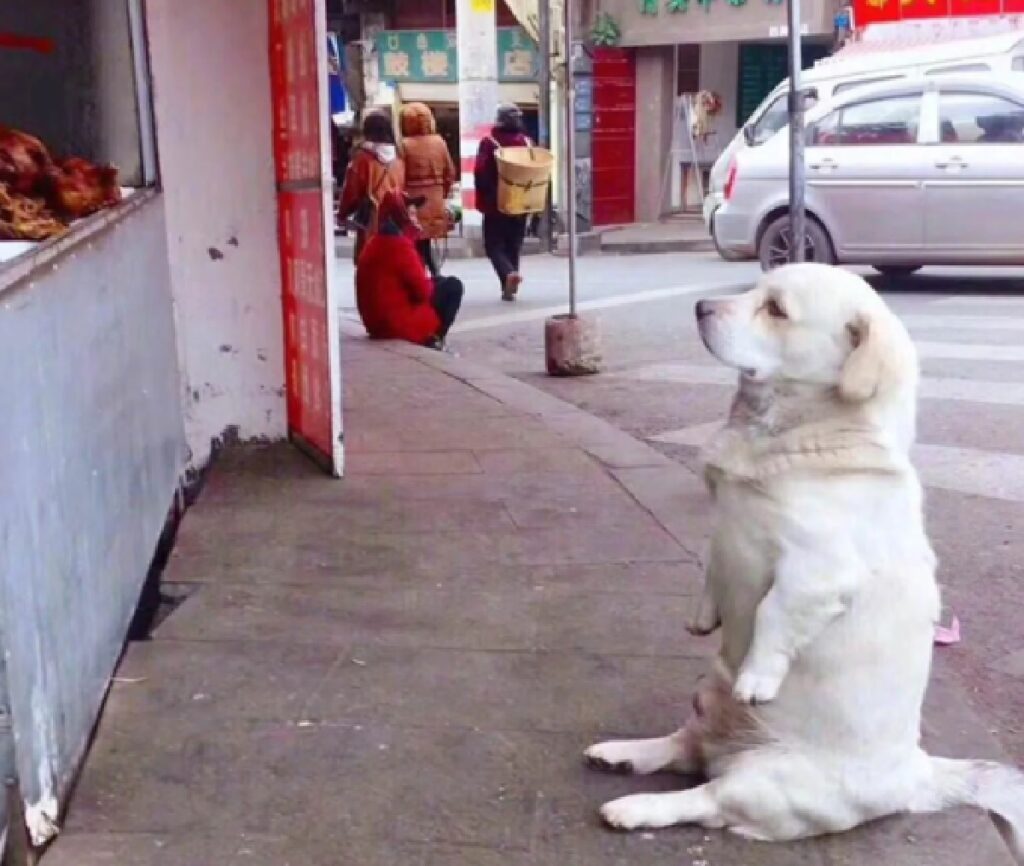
(995, 787)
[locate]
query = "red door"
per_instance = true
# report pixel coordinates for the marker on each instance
(613, 142)
(298, 46)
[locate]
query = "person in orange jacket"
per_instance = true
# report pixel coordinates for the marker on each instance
(430, 173)
(375, 169)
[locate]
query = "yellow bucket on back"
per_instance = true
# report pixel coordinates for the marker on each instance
(524, 174)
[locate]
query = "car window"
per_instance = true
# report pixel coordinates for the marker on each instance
(864, 82)
(892, 120)
(980, 118)
(775, 117)
(963, 67)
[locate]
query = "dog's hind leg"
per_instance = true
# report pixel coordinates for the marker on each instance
(679, 751)
(695, 806)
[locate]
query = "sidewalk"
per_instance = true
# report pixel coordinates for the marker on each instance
(402, 668)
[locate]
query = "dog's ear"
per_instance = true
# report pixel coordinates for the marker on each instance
(883, 357)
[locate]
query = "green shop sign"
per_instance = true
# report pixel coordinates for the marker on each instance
(431, 55)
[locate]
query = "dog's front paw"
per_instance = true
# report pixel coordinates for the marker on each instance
(633, 812)
(702, 625)
(613, 757)
(706, 619)
(757, 687)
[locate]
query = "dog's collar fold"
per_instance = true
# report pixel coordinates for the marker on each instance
(740, 454)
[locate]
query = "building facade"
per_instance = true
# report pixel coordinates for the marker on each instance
(710, 61)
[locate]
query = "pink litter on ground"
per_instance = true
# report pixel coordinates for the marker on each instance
(948, 636)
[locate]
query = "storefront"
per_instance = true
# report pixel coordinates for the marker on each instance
(422, 66)
(701, 66)
(144, 330)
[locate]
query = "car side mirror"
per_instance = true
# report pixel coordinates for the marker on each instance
(748, 135)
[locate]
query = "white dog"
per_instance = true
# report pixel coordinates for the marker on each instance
(822, 580)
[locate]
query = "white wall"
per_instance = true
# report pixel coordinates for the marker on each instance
(211, 79)
(719, 72)
(91, 448)
(655, 96)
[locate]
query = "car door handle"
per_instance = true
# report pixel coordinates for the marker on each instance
(952, 162)
(824, 164)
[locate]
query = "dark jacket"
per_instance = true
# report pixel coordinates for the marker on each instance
(485, 172)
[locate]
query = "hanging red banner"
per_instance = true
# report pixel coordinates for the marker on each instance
(970, 8)
(867, 12)
(917, 9)
(298, 45)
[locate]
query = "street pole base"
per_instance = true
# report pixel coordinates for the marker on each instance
(572, 346)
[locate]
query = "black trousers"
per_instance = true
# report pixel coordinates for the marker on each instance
(425, 248)
(447, 300)
(503, 242)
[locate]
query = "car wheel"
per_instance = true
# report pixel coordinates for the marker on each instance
(775, 245)
(897, 271)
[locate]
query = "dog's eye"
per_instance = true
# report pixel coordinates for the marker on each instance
(774, 309)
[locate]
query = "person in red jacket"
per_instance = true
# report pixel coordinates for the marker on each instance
(503, 234)
(396, 297)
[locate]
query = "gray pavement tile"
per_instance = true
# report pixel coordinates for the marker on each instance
(677, 500)
(410, 785)
(212, 683)
(411, 463)
(638, 624)
(953, 838)
(240, 849)
(461, 855)
(357, 513)
(336, 551)
(514, 461)
(683, 577)
(431, 433)
(590, 543)
(341, 616)
(511, 691)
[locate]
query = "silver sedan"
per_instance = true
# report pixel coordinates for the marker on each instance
(901, 175)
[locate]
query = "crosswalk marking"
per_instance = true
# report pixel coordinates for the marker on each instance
(961, 470)
(932, 387)
(963, 323)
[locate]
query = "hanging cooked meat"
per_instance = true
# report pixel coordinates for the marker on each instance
(26, 219)
(39, 197)
(23, 160)
(76, 188)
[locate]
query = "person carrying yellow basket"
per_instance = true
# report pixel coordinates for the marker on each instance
(503, 233)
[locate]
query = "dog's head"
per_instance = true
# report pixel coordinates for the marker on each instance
(812, 324)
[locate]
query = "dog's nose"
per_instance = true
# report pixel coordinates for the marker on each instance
(704, 309)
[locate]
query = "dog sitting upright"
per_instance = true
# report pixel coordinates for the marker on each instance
(821, 579)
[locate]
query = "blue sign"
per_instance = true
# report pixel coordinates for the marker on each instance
(336, 76)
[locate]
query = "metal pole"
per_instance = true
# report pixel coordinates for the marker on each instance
(544, 105)
(797, 168)
(570, 155)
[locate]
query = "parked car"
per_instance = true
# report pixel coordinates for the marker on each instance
(858, 65)
(899, 175)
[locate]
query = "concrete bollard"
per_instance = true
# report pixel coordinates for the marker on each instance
(572, 346)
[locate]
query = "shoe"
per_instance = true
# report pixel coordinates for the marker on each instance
(435, 343)
(512, 283)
